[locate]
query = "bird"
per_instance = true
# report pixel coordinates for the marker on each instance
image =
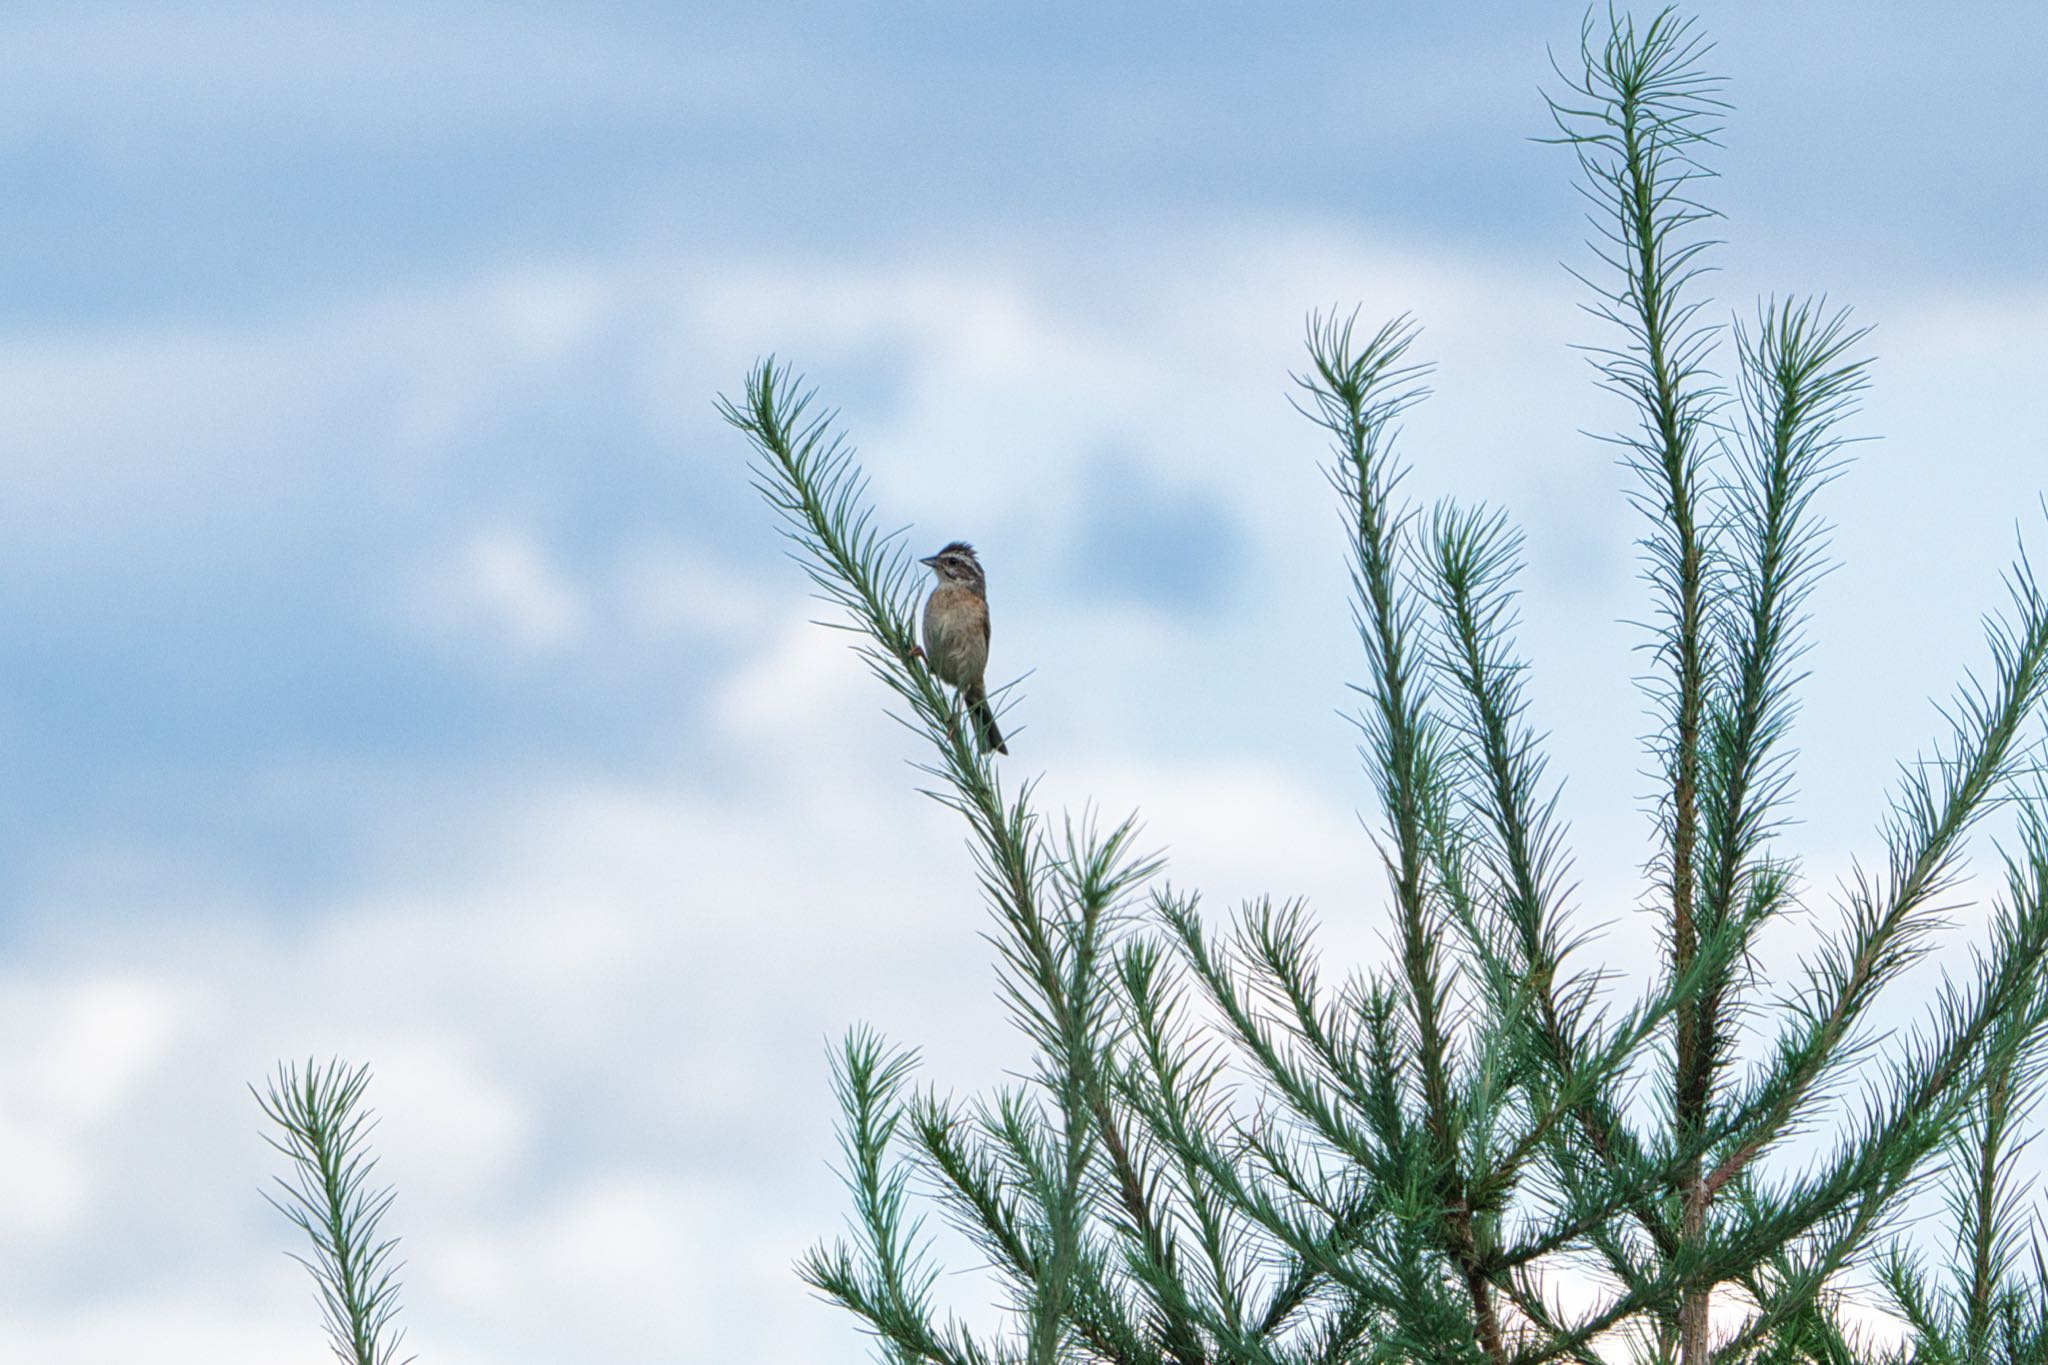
(956, 634)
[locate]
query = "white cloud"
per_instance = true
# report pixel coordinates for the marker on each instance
(84, 1046)
(503, 588)
(372, 71)
(48, 1179)
(678, 590)
(597, 1004)
(619, 1265)
(257, 1312)
(460, 1118)
(1018, 370)
(96, 1040)
(796, 696)
(548, 314)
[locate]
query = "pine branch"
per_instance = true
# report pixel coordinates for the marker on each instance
(1941, 800)
(1474, 557)
(1988, 1307)
(1642, 112)
(1179, 1092)
(1924, 1101)
(1798, 384)
(325, 1133)
(1058, 903)
(886, 1281)
(1986, 1194)
(1356, 394)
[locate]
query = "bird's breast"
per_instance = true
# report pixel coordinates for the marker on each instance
(956, 633)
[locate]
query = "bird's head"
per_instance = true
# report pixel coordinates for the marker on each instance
(956, 564)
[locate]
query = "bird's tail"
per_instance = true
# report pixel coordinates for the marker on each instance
(985, 723)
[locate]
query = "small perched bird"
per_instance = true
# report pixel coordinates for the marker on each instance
(956, 634)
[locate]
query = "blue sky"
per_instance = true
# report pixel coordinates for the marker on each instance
(395, 662)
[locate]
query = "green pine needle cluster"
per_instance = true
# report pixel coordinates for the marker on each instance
(1477, 1154)
(323, 1129)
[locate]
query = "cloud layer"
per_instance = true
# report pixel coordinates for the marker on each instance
(394, 661)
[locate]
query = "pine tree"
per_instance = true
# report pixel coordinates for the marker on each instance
(1220, 1158)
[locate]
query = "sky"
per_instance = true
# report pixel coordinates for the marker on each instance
(395, 663)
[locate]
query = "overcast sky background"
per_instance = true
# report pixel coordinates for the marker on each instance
(394, 661)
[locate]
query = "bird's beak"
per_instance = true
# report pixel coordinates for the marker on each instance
(930, 561)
